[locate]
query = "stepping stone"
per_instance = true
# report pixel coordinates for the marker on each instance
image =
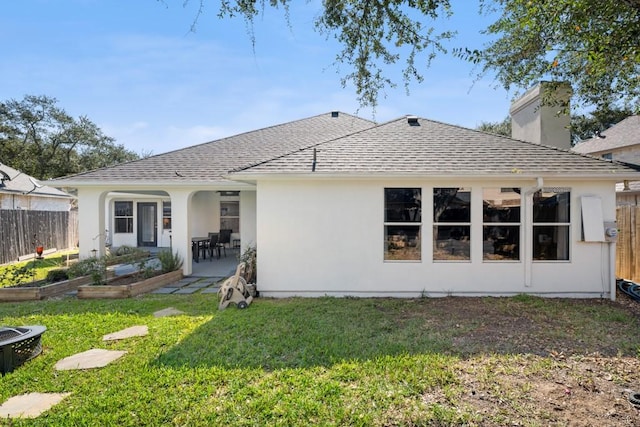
(170, 311)
(198, 285)
(176, 285)
(30, 405)
(186, 291)
(164, 291)
(213, 290)
(210, 282)
(134, 331)
(94, 358)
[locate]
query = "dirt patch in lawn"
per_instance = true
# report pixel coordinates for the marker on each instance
(554, 366)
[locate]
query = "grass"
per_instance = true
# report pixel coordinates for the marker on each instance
(39, 267)
(290, 362)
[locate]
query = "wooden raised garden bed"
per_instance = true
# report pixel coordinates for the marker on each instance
(130, 289)
(32, 293)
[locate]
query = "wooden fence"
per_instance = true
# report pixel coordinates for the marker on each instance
(22, 230)
(628, 246)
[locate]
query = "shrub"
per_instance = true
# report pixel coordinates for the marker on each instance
(125, 255)
(14, 276)
(169, 261)
(249, 258)
(94, 267)
(57, 275)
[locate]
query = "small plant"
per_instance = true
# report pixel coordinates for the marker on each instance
(145, 270)
(14, 276)
(57, 275)
(94, 267)
(125, 255)
(249, 257)
(125, 250)
(169, 261)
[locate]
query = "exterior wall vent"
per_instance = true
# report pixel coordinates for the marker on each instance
(335, 114)
(413, 121)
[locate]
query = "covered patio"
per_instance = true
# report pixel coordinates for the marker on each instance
(224, 266)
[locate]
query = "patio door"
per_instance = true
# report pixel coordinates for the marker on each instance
(147, 224)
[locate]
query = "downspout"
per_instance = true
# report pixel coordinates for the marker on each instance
(612, 270)
(528, 231)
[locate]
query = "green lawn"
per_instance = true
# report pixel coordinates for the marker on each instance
(296, 362)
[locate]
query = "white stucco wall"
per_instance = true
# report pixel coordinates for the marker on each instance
(205, 213)
(247, 219)
(326, 238)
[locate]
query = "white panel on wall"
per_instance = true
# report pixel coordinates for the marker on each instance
(592, 222)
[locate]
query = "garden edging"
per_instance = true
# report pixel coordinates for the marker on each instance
(26, 293)
(130, 290)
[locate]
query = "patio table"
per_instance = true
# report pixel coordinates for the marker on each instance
(199, 244)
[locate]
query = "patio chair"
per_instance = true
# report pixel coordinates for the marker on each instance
(213, 245)
(225, 239)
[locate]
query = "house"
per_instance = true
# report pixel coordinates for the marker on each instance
(620, 142)
(32, 214)
(338, 205)
(21, 191)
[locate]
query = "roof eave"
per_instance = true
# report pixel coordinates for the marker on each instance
(120, 184)
(519, 176)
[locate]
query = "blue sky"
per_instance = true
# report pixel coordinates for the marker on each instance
(137, 71)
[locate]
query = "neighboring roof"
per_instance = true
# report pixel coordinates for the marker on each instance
(15, 182)
(210, 162)
(622, 134)
(632, 187)
(430, 148)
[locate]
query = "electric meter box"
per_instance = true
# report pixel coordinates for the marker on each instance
(610, 231)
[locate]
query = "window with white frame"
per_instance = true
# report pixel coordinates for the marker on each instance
(166, 215)
(551, 224)
(451, 224)
(402, 224)
(230, 216)
(501, 224)
(123, 217)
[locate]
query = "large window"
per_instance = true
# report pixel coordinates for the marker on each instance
(230, 216)
(551, 220)
(501, 224)
(402, 224)
(451, 224)
(123, 216)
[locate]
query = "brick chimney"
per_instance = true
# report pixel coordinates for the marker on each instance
(541, 115)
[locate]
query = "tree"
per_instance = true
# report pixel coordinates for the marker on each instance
(585, 126)
(374, 35)
(499, 128)
(42, 140)
(592, 44)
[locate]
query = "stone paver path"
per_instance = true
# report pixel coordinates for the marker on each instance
(30, 405)
(169, 311)
(134, 331)
(94, 358)
(191, 285)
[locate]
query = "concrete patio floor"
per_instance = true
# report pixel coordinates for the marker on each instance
(224, 266)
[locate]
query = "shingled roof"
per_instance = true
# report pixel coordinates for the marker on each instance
(16, 182)
(421, 147)
(211, 161)
(623, 134)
